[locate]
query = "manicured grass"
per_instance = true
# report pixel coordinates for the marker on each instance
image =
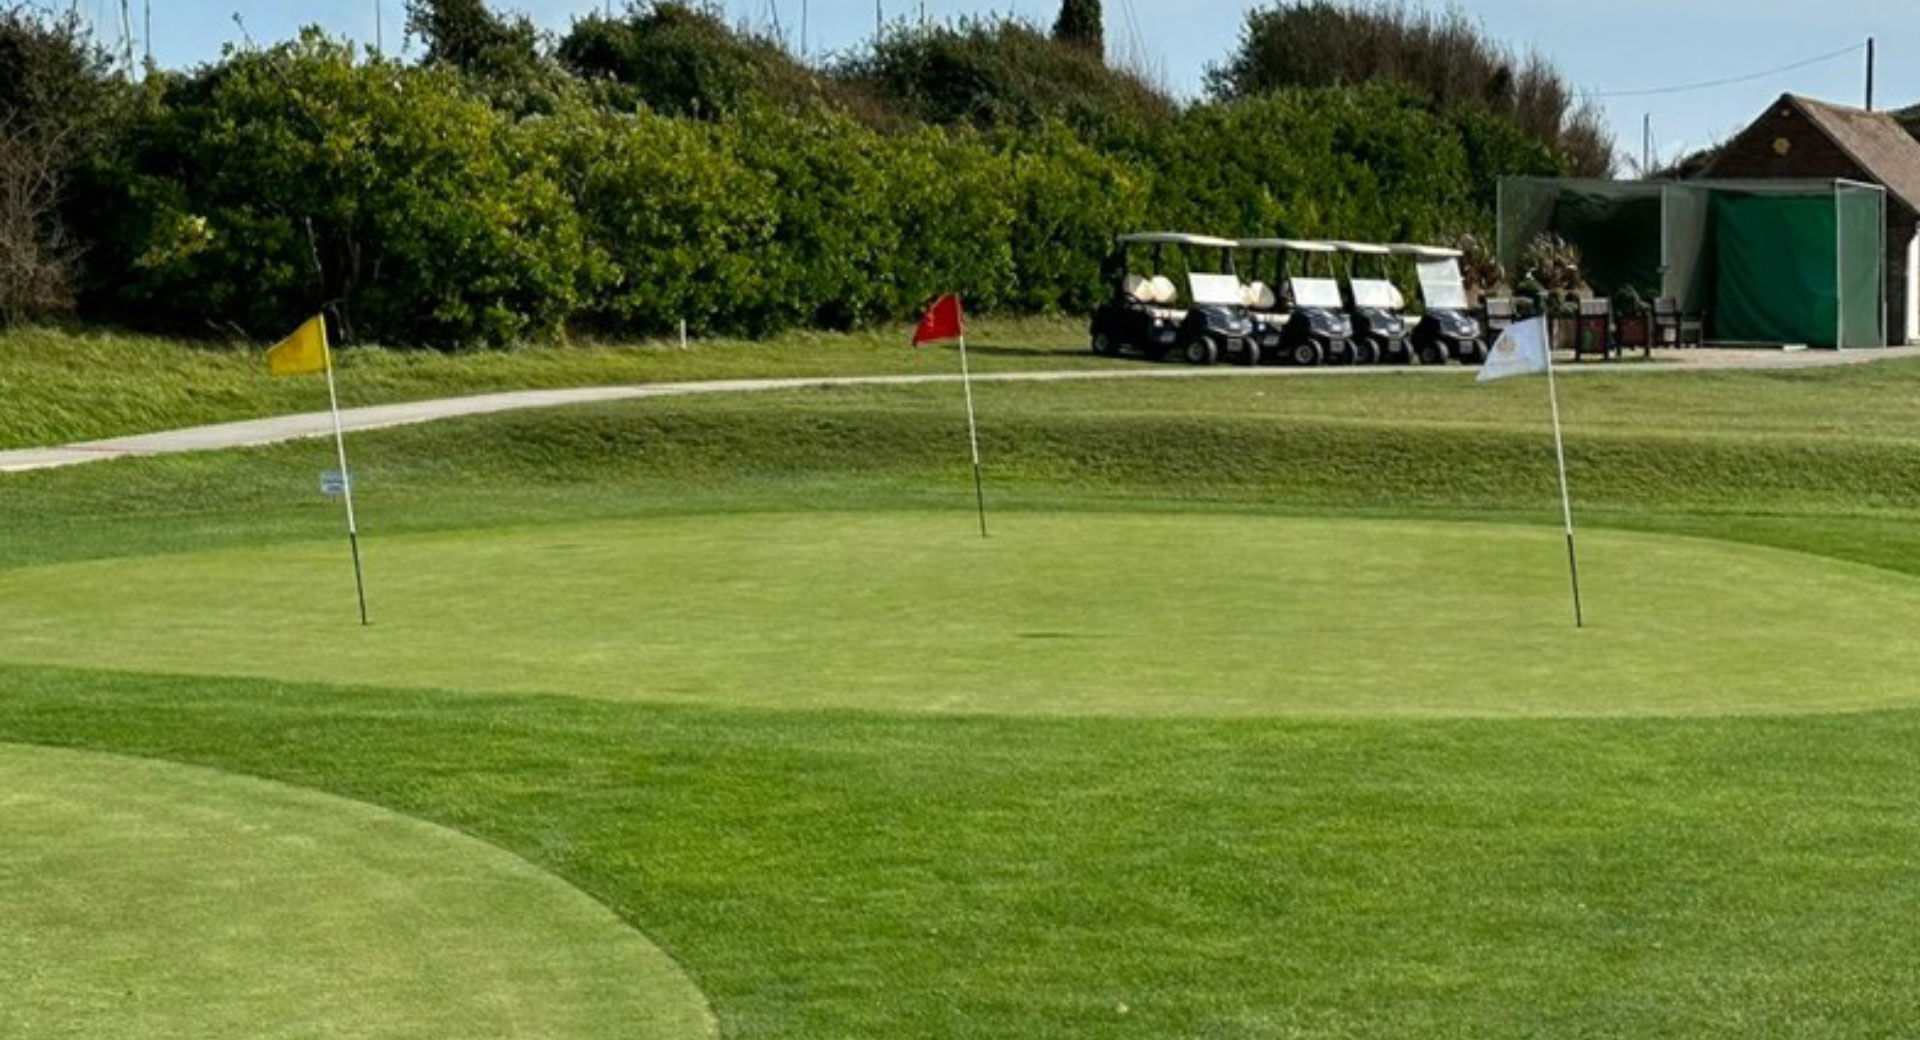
(1170, 614)
(149, 900)
(883, 873)
(73, 386)
(877, 876)
(1267, 446)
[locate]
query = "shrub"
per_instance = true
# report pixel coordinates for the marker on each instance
(1001, 72)
(1444, 58)
(680, 222)
(259, 189)
(683, 59)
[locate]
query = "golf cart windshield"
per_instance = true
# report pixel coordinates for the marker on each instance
(1377, 293)
(1319, 293)
(1441, 284)
(1219, 290)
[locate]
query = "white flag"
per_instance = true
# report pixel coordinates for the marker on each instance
(1520, 351)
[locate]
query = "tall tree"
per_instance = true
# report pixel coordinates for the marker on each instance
(1079, 24)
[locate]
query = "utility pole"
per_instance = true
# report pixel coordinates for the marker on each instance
(879, 20)
(1646, 147)
(1869, 73)
(126, 35)
(803, 30)
(147, 10)
(379, 33)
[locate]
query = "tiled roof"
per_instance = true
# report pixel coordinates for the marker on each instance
(1875, 140)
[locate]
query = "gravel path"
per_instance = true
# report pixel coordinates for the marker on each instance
(320, 424)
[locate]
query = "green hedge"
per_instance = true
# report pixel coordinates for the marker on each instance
(253, 191)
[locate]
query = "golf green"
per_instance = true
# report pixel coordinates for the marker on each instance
(156, 900)
(1056, 613)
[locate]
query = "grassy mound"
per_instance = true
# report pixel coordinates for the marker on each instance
(152, 900)
(66, 387)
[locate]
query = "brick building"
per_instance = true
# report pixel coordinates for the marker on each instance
(1799, 138)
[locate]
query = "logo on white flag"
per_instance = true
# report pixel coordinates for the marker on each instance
(1520, 351)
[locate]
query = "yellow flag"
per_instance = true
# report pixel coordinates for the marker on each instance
(303, 352)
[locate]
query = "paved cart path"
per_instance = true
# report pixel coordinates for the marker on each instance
(275, 429)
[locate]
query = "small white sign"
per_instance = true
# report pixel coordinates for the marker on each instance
(333, 483)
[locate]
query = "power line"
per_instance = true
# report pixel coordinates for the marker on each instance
(1710, 84)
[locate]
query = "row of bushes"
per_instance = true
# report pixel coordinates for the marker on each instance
(250, 192)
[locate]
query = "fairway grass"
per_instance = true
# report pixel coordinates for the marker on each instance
(1259, 717)
(1056, 614)
(141, 899)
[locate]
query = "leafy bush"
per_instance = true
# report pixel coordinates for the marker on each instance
(1444, 58)
(1370, 163)
(261, 188)
(677, 219)
(487, 195)
(683, 59)
(1001, 72)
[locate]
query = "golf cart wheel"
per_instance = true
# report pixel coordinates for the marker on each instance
(1104, 345)
(1433, 354)
(1251, 355)
(1366, 352)
(1473, 352)
(1305, 354)
(1340, 353)
(1201, 351)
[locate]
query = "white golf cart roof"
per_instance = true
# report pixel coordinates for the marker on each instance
(1174, 238)
(1362, 248)
(1298, 245)
(1425, 252)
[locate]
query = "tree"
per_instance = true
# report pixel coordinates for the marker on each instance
(682, 58)
(1079, 25)
(58, 96)
(467, 36)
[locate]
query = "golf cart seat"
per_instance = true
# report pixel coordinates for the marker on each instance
(1138, 289)
(1260, 297)
(1163, 290)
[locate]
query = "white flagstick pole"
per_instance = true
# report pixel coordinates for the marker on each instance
(1566, 500)
(973, 437)
(346, 482)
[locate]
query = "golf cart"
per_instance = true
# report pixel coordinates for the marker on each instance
(1303, 321)
(1145, 314)
(1375, 304)
(1447, 328)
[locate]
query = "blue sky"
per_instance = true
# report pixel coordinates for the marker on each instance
(1603, 47)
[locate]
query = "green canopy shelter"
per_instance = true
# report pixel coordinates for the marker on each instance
(1766, 261)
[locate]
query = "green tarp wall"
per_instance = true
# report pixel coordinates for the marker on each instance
(1797, 269)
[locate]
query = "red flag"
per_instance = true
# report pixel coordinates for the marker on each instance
(941, 323)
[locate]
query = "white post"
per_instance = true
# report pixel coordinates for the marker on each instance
(346, 486)
(1566, 499)
(683, 333)
(973, 437)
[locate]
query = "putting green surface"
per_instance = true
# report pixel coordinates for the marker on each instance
(1059, 614)
(144, 899)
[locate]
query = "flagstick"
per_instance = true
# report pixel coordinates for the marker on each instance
(973, 437)
(346, 484)
(1566, 500)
